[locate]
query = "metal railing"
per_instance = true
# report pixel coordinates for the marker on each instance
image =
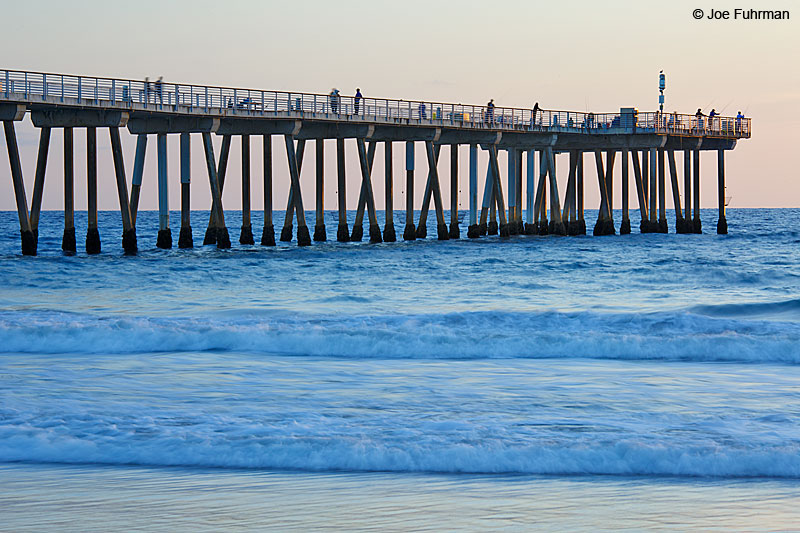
(31, 87)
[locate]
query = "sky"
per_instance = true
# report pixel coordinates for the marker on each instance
(568, 55)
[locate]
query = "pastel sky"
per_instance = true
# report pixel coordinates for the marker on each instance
(567, 54)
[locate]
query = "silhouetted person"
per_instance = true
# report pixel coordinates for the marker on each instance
(490, 111)
(159, 90)
(334, 100)
(357, 99)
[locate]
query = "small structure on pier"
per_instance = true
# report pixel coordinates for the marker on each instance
(647, 142)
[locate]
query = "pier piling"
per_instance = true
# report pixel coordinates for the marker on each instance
(342, 232)
(185, 239)
(389, 234)
(68, 244)
(473, 230)
(295, 193)
(268, 233)
(219, 177)
(246, 235)
(218, 230)
(128, 229)
(697, 227)
(454, 232)
(320, 234)
(93, 245)
(26, 234)
(409, 231)
(164, 232)
(722, 223)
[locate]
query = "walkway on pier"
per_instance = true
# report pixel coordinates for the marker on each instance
(68, 101)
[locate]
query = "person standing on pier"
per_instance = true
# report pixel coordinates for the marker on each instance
(535, 114)
(699, 119)
(159, 92)
(422, 112)
(334, 100)
(357, 99)
(490, 111)
(739, 118)
(711, 118)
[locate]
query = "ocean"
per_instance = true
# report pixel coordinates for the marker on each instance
(621, 383)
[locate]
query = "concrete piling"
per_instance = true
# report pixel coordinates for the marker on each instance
(676, 193)
(246, 235)
(688, 225)
(540, 207)
(530, 227)
(722, 222)
(473, 230)
(128, 229)
(320, 234)
(26, 234)
(363, 204)
(138, 172)
(580, 203)
(219, 176)
(454, 232)
(662, 194)
(625, 225)
(342, 232)
(498, 191)
(296, 195)
(556, 223)
(38, 184)
(185, 237)
(68, 243)
(164, 240)
(366, 187)
(92, 233)
(219, 231)
(268, 233)
(286, 231)
(389, 234)
(410, 230)
(696, 225)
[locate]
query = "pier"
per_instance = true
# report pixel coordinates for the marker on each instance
(533, 141)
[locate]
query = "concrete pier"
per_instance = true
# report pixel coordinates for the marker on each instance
(644, 140)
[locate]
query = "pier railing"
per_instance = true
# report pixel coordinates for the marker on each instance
(32, 87)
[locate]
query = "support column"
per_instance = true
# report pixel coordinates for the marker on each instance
(219, 173)
(473, 230)
(540, 208)
(366, 187)
(568, 216)
(696, 225)
(68, 244)
(604, 224)
(38, 185)
(498, 190)
(722, 223)
(441, 227)
(646, 173)
(454, 233)
(518, 192)
(422, 225)
(410, 231)
(138, 171)
(268, 234)
(185, 237)
(128, 230)
(580, 203)
(164, 240)
(389, 234)
(530, 227)
(556, 223)
(92, 233)
(488, 200)
(246, 235)
(358, 224)
(512, 190)
(652, 187)
(320, 234)
(303, 236)
(687, 191)
(218, 230)
(26, 233)
(625, 226)
(640, 179)
(342, 232)
(288, 219)
(662, 194)
(609, 229)
(676, 193)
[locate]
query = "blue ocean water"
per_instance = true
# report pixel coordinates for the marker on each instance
(549, 383)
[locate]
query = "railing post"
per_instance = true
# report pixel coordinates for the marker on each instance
(44, 86)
